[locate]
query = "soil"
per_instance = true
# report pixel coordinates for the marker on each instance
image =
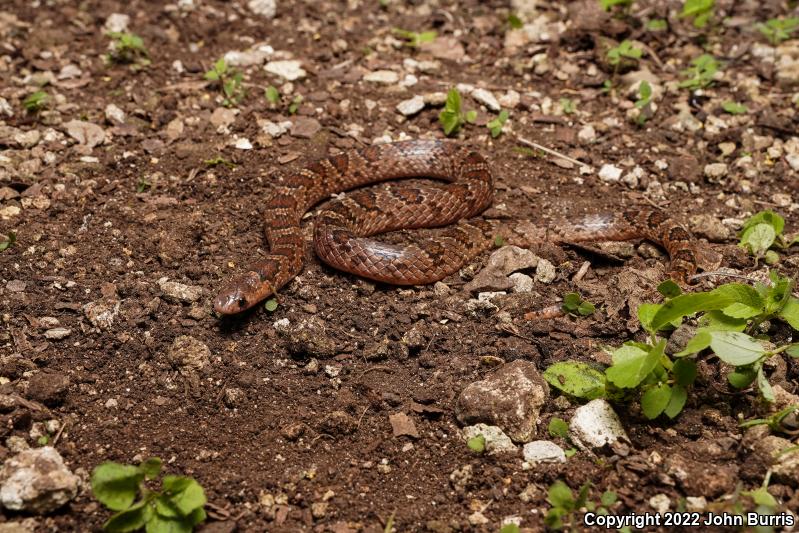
(283, 416)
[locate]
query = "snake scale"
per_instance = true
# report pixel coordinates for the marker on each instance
(343, 228)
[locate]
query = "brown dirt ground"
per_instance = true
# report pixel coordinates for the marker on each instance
(257, 420)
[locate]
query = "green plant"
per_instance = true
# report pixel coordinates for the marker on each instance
(657, 25)
(728, 318)
(177, 507)
(559, 428)
(625, 49)
(230, 80)
(573, 304)
(509, 528)
(778, 30)
(452, 118)
(295, 104)
(272, 95)
(567, 105)
(143, 185)
(414, 39)
(127, 48)
(701, 73)
(477, 443)
(733, 108)
(8, 242)
(699, 10)
(643, 102)
(774, 422)
(607, 5)
(515, 22)
(36, 101)
(271, 305)
(495, 126)
(762, 232)
(565, 503)
(218, 160)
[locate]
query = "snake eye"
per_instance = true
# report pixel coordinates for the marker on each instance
(242, 302)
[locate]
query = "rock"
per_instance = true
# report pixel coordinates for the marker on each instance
(49, 388)
(595, 425)
(543, 451)
(510, 99)
(402, 424)
(16, 285)
(338, 423)
(222, 117)
(178, 292)
(411, 106)
(387, 77)
(188, 354)
(86, 133)
(289, 69)
(610, 173)
(444, 48)
(101, 313)
(545, 272)
(56, 334)
(264, 8)
(28, 525)
(114, 115)
(769, 450)
(9, 211)
(787, 65)
(27, 139)
(274, 129)
(36, 481)
(587, 134)
(117, 22)
(243, 143)
(660, 503)
(496, 440)
(510, 397)
(461, 477)
(308, 338)
(727, 148)
(710, 227)
(487, 98)
(715, 171)
(509, 259)
(521, 282)
(305, 127)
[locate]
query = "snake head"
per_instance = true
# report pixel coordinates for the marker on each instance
(240, 294)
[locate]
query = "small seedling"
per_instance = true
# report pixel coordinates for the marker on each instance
(495, 126)
(295, 104)
(510, 528)
(272, 95)
(230, 80)
(699, 10)
(762, 232)
(573, 304)
(774, 422)
(567, 105)
(127, 48)
(218, 160)
(8, 242)
(657, 25)
(414, 39)
(733, 108)
(529, 152)
(558, 428)
(452, 118)
(36, 101)
(625, 49)
(143, 185)
(607, 5)
(271, 305)
(642, 104)
(565, 504)
(177, 507)
(499, 241)
(701, 74)
(607, 86)
(477, 443)
(778, 30)
(515, 22)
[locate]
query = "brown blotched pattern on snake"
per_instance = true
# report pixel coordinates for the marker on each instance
(342, 230)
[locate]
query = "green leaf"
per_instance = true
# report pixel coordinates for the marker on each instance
(655, 400)
(762, 496)
(453, 101)
(116, 485)
(793, 350)
(515, 22)
(733, 108)
(212, 75)
(560, 495)
(718, 321)
(679, 395)
(771, 257)
(477, 443)
(741, 377)
(719, 298)
(646, 313)
(151, 467)
(586, 308)
(272, 95)
(736, 348)
(764, 386)
(11, 238)
(450, 122)
(571, 301)
(186, 494)
(741, 310)
(758, 239)
(471, 116)
(764, 217)
(608, 498)
(698, 342)
(132, 519)
(160, 524)
(657, 25)
(576, 379)
(631, 364)
(558, 428)
(669, 289)
(684, 371)
(271, 304)
(790, 312)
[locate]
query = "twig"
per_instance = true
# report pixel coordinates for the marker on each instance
(551, 152)
(583, 271)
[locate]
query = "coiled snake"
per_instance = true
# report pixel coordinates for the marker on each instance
(341, 231)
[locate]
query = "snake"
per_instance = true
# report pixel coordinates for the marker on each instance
(344, 229)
